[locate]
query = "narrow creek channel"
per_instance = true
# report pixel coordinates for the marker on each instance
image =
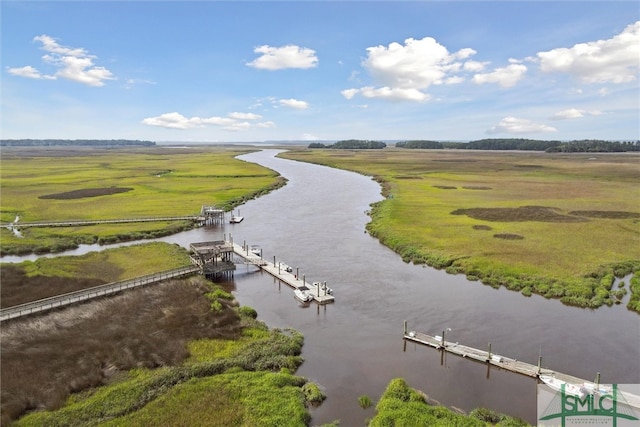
(354, 346)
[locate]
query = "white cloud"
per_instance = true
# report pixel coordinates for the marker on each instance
(515, 125)
(266, 125)
(406, 71)
(394, 94)
(72, 63)
(294, 103)
(278, 58)
(574, 113)
(29, 72)
(474, 66)
(614, 60)
(244, 116)
(506, 76)
(233, 122)
(309, 137)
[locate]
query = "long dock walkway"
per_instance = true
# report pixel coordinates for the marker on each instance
(93, 292)
(277, 271)
(76, 223)
(502, 362)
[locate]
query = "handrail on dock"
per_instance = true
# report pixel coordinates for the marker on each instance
(62, 300)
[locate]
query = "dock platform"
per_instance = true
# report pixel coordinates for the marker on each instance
(502, 362)
(277, 271)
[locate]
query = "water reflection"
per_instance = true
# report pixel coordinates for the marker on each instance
(354, 346)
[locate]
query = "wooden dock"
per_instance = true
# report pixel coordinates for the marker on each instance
(499, 361)
(276, 270)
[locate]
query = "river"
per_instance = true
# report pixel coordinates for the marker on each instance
(354, 346)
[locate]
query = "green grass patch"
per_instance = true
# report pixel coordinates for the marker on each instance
(554, 227)
(401, 405)
(88, 185)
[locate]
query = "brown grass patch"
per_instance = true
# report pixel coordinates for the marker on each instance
(607, 214)
(482, 227)
(522, 213)
(87, 192)
(476, 187)
(446, 187)
(508, 236)
(18, 288)
(408, 177)
(45, 358)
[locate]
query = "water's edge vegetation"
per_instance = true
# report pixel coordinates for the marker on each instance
(506, 237)
(179, 353)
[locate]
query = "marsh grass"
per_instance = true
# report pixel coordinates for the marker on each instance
(84, 187)
(45, 358)
(46, 277)
(146, 355)
(577, 217)
(401, 405)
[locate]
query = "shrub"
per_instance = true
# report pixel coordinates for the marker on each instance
(364, 401)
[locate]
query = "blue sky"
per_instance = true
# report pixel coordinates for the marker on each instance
(274, 70)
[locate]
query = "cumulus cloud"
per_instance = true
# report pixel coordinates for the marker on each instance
(72, 64)
(406, 71)
(29, 72)
(515, 125)
(506, 76)
(294, 103)
(614, 60)
(233, 122)
(574, 113)
(278, 58)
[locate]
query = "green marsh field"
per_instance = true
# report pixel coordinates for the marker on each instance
(185, 352)
(559, 225)
(55, 184)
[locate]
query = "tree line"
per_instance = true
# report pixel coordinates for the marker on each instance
(74, 142)
(350, 144)
(579, 146)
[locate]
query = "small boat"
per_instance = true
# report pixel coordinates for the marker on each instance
(256, 250)
(322, 287)
(285, 267)
(573, 389)
(303, 294)
(235, 219)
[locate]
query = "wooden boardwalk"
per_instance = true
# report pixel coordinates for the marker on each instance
(50, 303)
(77, 223)
(277, 271)
(502, 362)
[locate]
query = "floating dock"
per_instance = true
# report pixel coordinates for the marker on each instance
(502, 362)
(277, 270)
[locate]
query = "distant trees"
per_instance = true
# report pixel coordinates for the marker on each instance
(581, 146)
(74, 142)
(420, 144)
(351, 144)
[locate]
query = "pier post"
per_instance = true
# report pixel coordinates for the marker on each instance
(539, 364)
(489, 356)
(405, 327)
(443, 339)
(303, 280)
(274, 262)
(297, 273)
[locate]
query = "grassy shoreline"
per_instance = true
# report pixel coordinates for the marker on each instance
(178, 353)
(561, 226)
(124, 183)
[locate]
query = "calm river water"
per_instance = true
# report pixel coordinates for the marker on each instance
(354, 347)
